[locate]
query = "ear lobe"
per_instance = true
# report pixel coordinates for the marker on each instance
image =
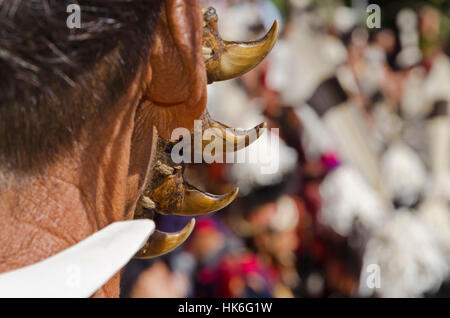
(185, 22)
(177, 93)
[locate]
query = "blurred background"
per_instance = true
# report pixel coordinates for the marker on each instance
(359, 203)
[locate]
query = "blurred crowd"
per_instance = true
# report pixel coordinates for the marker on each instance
(359, 129)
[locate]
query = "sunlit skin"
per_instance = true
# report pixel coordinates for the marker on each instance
(102, 178)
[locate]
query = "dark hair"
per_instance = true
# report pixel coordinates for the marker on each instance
(53, 78)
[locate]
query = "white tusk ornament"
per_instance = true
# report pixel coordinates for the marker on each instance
(82, 269)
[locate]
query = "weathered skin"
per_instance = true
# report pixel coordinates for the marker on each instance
(102, 178)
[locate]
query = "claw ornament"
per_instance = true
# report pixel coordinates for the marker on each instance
(228, 59)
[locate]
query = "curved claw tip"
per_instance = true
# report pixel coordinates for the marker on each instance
(233, 59)
(232, 139)
(160, 243)
(197, 202)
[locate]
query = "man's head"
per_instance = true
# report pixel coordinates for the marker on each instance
(54, 78)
